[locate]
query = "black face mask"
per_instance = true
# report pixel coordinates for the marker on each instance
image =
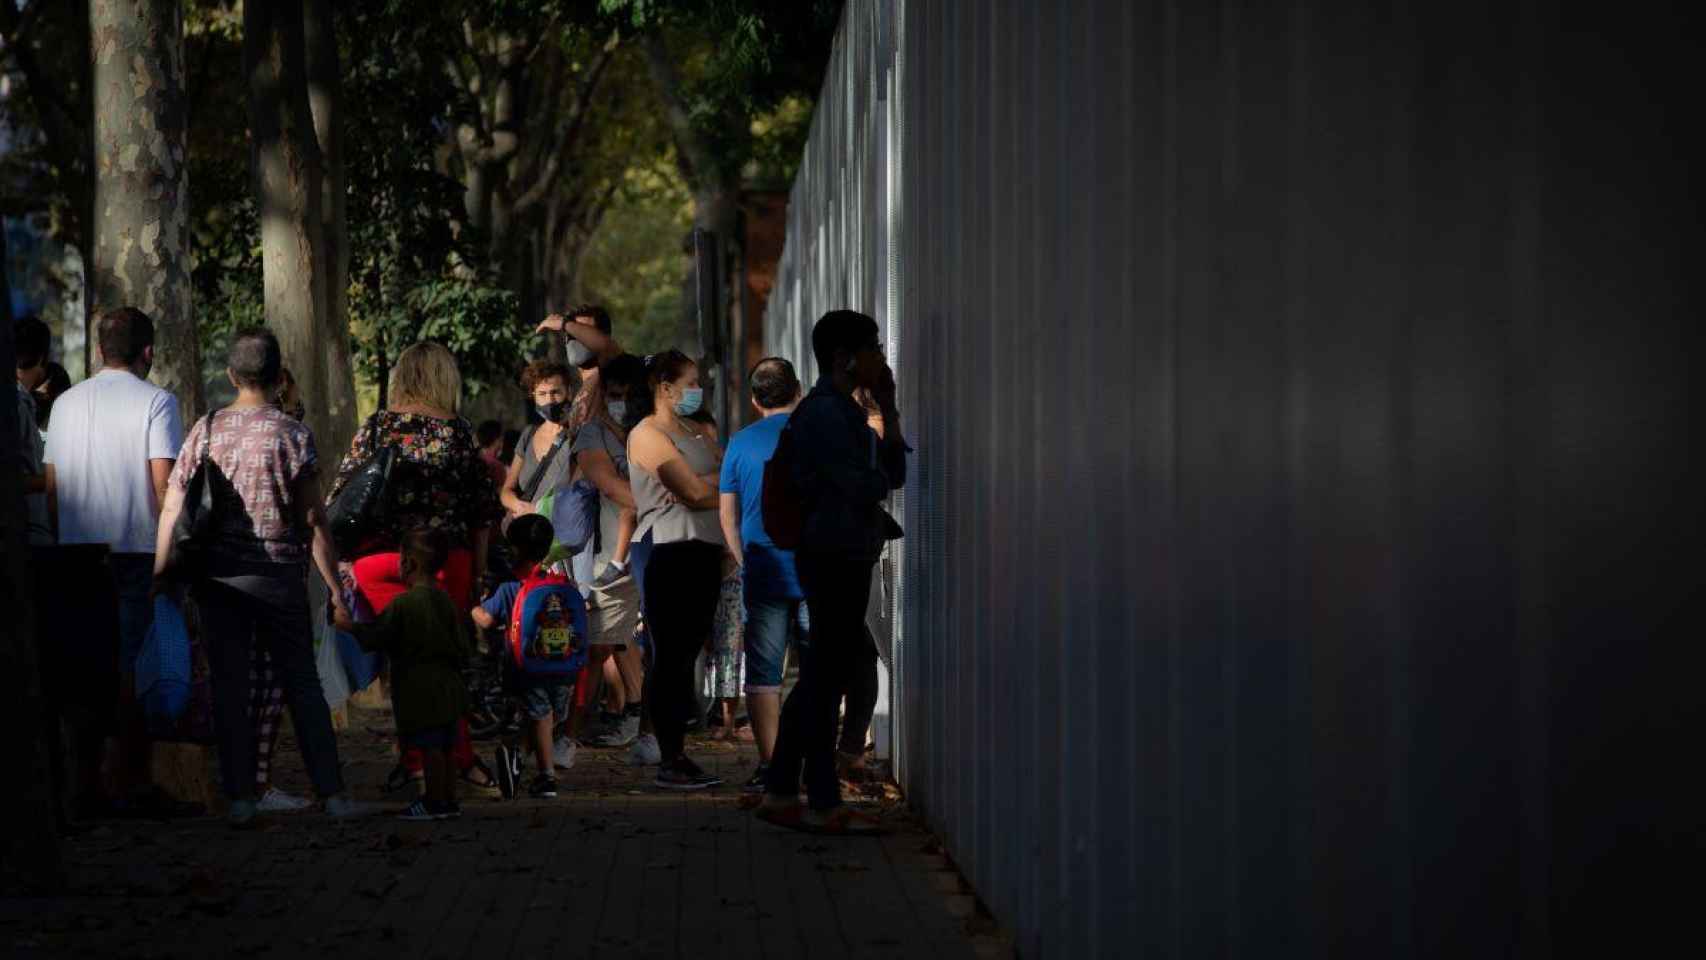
(554, 412)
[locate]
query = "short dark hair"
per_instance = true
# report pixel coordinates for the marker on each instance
(530, 536)
(32, 338)
(625, 370)
(847, 330)
(124, 334)
(488, 432)
(255, 358)
(774, 383)
(600, 316)
(427, 548)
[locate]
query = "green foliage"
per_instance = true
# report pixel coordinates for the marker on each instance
(741, 60)
(634, 263)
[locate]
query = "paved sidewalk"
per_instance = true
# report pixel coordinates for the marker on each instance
(613, 868)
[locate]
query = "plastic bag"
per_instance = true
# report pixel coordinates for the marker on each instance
(163, 665)
(333, 682)
(361, 667)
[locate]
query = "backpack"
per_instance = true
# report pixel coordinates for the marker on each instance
(780, 501)
(547, 626)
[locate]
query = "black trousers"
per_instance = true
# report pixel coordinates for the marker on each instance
(861, 697)
(837, 587)
(683, 582)
(265, 604)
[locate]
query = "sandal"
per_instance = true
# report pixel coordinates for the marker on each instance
(487, 785)
(400, 777)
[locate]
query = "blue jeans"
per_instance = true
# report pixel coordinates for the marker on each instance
(771, 625)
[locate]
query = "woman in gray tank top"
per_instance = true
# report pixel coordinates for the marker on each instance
(673, 467)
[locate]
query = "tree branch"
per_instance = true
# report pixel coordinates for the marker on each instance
(567, 135)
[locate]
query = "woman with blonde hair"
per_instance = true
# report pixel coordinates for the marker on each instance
(438, 482)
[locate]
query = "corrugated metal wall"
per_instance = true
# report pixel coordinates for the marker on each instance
(1303, 513)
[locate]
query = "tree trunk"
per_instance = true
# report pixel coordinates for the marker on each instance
(325, 97)
(286, 160)
(141, 243)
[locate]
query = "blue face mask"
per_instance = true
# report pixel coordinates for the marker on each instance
(692, 398)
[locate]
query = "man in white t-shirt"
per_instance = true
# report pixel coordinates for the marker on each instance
(110, 448)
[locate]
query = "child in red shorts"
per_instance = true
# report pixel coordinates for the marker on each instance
(427, 642)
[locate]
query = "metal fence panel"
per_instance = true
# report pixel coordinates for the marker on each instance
(1295, 535)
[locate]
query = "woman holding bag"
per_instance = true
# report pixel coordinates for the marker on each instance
(266, 525)
(438, 481)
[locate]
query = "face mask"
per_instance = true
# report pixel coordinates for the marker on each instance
(692, 398)
(580, 356)
(554, 412)
(618, 410)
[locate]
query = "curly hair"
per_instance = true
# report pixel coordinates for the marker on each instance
(539, 371)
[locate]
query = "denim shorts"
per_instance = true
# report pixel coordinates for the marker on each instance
(541, 700)
(770, 626)
(133, 573)
(432, 738)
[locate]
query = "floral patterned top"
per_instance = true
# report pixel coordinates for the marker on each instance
(438, 481)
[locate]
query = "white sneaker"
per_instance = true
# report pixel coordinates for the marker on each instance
(563, 754)
(645, 752)
(277, 801)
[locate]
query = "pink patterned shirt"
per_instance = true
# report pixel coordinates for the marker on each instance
(258, 456)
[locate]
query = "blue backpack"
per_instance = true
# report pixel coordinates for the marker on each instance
(547, 627)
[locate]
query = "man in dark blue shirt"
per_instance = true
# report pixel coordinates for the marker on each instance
(846, 458)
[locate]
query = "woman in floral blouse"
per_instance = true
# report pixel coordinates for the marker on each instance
(439, 481)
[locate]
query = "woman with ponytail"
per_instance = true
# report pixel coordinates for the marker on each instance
(673, 466)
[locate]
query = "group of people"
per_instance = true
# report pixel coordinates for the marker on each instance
(679, 561)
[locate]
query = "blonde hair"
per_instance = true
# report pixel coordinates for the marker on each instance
(426, 374)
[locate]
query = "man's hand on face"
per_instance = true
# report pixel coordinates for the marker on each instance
(884, 392)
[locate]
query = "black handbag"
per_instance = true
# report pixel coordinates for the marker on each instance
(359, 512)
(193, 532)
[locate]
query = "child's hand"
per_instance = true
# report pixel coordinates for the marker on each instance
(341, 618)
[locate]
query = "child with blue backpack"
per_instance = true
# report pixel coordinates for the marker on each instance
(545, 644)
(427, 642)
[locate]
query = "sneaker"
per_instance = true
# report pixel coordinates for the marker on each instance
(341, 806)
(683, 774)
(450, 811)
(621, 732)
(508, 771)
(612, 574)
(758, 783)
(277, 801)
(544, 787)
(563, 754)
(241, 814)
(418, 811)
(645, 752)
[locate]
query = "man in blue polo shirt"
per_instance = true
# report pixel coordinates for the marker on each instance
(775, 607)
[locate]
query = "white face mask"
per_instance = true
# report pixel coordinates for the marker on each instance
(618, 410)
